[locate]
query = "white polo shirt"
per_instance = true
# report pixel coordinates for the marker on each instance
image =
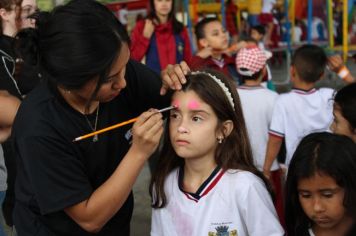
(257, 106)
(229, 203)
(299, 113)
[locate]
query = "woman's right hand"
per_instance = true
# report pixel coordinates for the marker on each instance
(148, 29)
(146, 132)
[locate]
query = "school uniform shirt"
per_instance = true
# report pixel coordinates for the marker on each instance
(257, 105)
(225, 65)
(163, 48)
(55, 173)
(234, 202)
(299, 113)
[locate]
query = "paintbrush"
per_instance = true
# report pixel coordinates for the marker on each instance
(116, 126)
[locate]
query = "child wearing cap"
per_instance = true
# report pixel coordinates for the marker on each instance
(257, 105)
(213, 42)
(304, 109)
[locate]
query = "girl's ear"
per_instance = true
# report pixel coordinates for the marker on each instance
(203, 43)
(227, 127)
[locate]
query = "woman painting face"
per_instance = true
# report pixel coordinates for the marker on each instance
(28, 7)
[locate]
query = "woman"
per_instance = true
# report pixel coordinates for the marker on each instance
(79, 188)
(161, 38)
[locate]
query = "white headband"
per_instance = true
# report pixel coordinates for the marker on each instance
(221, 85)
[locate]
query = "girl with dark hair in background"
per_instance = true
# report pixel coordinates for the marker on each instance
(345, 112)
(321, 187)
(80, 188)
(206, 182)
(161, 38)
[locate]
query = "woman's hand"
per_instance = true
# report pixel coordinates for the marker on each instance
(147, 132)
(148, 29)
(174, 76)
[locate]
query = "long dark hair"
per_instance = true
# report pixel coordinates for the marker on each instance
(326, 153)
(177, 26)
(74, 43)
(234, 153)
(345, 98)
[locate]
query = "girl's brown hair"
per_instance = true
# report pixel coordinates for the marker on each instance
(235, 151)
(7, 5)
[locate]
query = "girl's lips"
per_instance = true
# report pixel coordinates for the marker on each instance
(182, 142)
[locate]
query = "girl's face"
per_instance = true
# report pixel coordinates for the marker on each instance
(216, 36)
(114, 83)
(163, 7)
(193, 127)
(322, 201)
(340, 125)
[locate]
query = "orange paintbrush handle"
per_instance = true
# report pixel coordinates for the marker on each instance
(105, 129)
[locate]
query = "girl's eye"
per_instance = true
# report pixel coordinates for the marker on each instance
(327, 194)
(196, 118)
(174, 115)
(304, 195)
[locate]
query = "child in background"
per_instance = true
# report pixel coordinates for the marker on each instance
(303, 110)
(320, 188)
(257, 104)
(161, 38)
(266, 18)
(258, 33)
(207, 183)
(345, 112)
(213, 41)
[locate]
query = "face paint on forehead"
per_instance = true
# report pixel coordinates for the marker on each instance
(193, 104)
(176, 103)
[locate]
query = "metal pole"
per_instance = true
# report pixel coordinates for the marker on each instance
(223, 19)
(345, 23)
(310, 20)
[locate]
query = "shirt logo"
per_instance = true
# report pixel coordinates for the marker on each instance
(223, 231)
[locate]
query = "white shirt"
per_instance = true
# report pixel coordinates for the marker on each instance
(233, 203)
(257, 107)
(268, 6)
(299, 113)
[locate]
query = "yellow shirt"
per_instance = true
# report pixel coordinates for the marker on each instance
(254, 7)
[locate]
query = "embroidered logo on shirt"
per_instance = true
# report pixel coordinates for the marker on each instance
(223, 231)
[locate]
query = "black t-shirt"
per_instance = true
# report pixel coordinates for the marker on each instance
(55, 173)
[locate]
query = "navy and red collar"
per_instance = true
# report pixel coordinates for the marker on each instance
(205, 188)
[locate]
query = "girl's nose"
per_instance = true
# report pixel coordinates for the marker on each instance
(182, 130)
(318, 205)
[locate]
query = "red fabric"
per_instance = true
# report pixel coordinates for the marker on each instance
(265, 18)
(201, 63)
(139, 44)
(276, 180)
(165, 40)
(230, 17)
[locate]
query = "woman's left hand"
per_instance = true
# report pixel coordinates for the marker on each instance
(174, 76)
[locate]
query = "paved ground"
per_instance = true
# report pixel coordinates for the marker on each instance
(140, 224)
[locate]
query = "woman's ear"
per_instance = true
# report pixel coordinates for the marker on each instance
(3, 13)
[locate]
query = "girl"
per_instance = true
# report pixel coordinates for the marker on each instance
(345, 112)
(81, 188)
(320, 187)
(207, 183)
(161, 37)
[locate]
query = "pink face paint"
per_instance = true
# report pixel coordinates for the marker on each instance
(175, 103)
(192, 105)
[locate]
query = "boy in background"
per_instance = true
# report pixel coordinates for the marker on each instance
(257, 104)
(303, 110)
(213, 41)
